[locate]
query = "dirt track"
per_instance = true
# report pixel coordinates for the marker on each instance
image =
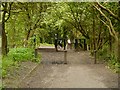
(80, 72)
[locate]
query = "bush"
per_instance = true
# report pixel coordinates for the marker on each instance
(21, 54)
(103, 54)
(109, 58)
(113, 63)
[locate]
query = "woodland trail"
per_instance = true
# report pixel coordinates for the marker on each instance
(80, 72)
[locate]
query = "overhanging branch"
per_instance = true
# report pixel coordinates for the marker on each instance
(110, 26)
(107, 10)
(9, 12)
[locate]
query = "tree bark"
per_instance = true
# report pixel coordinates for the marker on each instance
(4, 37)
(110, 43)
(7, 8)
(119, 32)
(94, 44)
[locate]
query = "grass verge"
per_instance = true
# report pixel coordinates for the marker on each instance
(15, 56)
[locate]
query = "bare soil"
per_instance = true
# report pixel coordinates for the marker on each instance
(80, 72)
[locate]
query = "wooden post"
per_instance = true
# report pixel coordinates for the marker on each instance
(65, 57)
(36, 54)
(85, 45)
(95, 61)
(64, 44)
(56, 41)
(76, 44)
(56, 44)
(89, 47)
(34, 40)
(80, 42)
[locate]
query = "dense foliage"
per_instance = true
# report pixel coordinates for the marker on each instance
(30, 24)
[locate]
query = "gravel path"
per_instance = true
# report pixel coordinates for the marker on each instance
(80, 72)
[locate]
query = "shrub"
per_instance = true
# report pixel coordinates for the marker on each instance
(113, 63)
(109, 58)
(21, 54)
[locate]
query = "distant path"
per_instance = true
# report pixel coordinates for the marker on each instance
(46, 47)
(80, 72)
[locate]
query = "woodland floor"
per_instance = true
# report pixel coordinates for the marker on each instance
(80, 72)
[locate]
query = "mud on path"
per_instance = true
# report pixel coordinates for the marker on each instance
(80, 72)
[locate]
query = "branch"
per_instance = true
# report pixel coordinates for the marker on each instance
(3, 5)
(107, 26)
(73, 14)
(100, 30)
(107, 10)
(110, 26)
(100, 46)
(9, 12)
(78, 24)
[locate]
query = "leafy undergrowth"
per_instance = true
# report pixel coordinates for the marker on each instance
(110, 59)
(15, 56)
(114, 64)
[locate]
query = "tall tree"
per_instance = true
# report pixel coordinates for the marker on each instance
(119, 32)
(5, 16)
(114, 33)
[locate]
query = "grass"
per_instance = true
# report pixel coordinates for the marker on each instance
(46, 44)
(15, 56)
(21, 54)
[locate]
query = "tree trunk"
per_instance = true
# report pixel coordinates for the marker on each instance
(110, 43)
(4, 37)
(94, 44)
(27, 37)
(94, 37)
(119, 33)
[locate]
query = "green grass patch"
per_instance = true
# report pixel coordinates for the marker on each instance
(21, 54)
(46, 44)
(17, 55)
(7, 63)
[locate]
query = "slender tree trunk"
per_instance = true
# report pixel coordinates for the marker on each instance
(94, 37)
(99, 40)
(119, 43)
(4, 37)
(27, 37)
(119, 33)
(110, 43)
(94, 44)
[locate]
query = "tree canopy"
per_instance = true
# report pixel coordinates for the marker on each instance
(97, 22)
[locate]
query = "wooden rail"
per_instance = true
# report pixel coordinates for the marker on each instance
(49, 50)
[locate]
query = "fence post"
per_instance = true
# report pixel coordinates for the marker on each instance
(76, 44)
(36, 54)
(85, 45)
(95, 51)
(65, 57)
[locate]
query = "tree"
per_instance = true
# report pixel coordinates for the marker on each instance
(109, 24)
(5, 16)
(119, 32)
